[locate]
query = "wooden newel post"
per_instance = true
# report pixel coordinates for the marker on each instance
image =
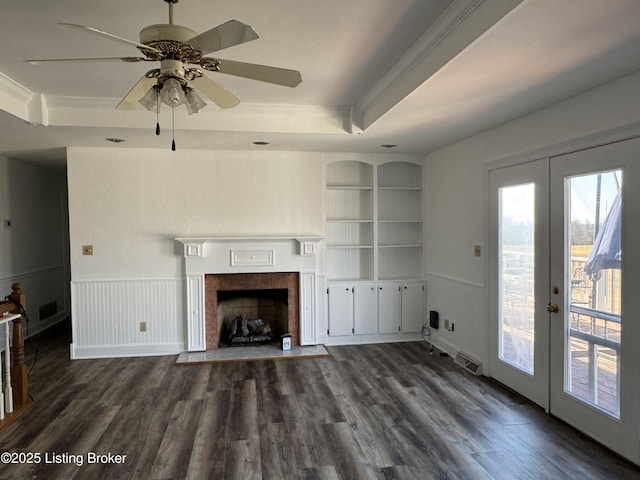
(18, 366)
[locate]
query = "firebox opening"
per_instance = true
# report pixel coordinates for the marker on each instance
(250, 317)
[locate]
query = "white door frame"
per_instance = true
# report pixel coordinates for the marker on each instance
(536, 386)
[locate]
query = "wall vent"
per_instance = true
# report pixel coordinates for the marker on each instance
(47, 310)
(469, 363)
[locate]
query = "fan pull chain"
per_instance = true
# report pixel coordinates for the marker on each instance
(158, 115)
(173, 131)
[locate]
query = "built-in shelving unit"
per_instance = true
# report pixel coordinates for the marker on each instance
(373, 235)
(374, 221)
(399, 220)
(350, 221)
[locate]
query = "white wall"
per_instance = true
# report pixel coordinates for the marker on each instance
(34, 250)
(456, 201)
(130, 204)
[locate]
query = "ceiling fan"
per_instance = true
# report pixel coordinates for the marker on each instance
(181, 53)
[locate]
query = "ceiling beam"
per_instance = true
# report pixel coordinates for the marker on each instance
(463, 23)
(14, 98)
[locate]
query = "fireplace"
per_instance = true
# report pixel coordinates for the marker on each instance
(235, 264)
(254, 295)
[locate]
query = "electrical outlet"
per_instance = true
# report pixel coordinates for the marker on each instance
(477, 250)
(446, 324)
(87, 250)
(143, 326)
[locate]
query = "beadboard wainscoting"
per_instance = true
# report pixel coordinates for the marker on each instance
(108, 318)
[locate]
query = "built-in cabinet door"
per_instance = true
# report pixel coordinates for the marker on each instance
(340, 310)
(389, 308)
(365, 309)
(413, 308)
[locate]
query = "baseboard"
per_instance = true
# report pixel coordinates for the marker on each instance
(330, 341)
(30, 330)
(119, 351)
(444, 346)
(34, 328)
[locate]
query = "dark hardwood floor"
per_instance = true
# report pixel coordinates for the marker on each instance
(376, 412)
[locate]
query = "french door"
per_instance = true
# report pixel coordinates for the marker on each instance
(564, 286)
(519, 279)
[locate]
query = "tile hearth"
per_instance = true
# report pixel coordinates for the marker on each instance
(261, 352)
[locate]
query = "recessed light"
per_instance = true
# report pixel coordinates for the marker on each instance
(115, 140)
(389, 145)
(261, 143)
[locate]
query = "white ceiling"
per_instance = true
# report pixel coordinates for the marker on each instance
(417, 73)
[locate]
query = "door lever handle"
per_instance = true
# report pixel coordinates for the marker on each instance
(553, 308)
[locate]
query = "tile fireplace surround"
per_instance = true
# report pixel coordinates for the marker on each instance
(240, 282)
(205, 256)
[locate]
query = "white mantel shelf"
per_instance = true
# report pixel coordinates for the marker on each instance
(193, 245)
(300, 238)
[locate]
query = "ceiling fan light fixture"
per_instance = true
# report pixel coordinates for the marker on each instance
(150, 100)
(193, 101)
(172, 93)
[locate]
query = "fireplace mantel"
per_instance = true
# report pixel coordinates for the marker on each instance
(249, 254)
(194, 246)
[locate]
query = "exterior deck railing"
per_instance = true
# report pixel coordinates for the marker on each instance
(595, 333)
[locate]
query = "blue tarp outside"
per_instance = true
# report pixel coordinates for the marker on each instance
(607, 247)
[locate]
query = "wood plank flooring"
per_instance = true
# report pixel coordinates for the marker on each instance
(365, 412)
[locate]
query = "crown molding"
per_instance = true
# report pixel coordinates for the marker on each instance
(101, 112)
(14, 98)
(12, 88)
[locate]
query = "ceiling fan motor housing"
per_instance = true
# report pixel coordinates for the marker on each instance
(170, 39)
(165, 32)
(172, 69)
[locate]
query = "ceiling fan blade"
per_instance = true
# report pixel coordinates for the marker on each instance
(109, 35)
(80, 60)
(263, 73)
(222, 97)
(130, 101)
(226, 35)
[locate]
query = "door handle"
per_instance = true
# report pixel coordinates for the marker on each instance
(553, 308)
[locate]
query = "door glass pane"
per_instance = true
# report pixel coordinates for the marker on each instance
(516, 276)
(593, 289)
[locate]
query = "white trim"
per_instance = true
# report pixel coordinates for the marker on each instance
(15, 90)
(445, 346)
(575, 144)
(443, 26)
(19, 276)
(127, 280)
(196, 318)
(331, 341)
(257, 258)
(121, 351)
(455, 280)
